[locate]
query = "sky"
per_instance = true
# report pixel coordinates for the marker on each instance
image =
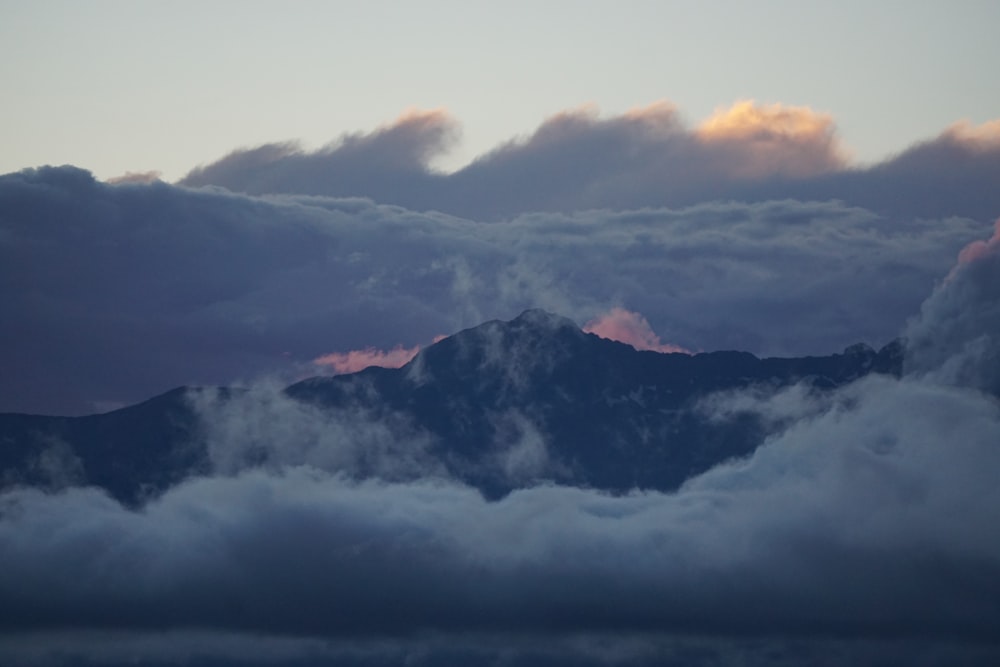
(118, 87)
(240, 193)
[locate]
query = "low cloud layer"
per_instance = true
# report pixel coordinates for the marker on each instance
(647, 157)
(862, 531)
(115, 293)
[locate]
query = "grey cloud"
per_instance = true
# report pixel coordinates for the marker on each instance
(938, 178)
(261, 427)
(52, 466)
(777, 408)
(645, 158)
(955, 337)
(389, 164)
(115, 293)
(521, 450)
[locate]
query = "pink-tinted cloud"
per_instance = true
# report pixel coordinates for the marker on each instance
(631, 328)
(980, 249)
(356, 360)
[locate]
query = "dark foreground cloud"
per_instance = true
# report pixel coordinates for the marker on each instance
(577, 160)
(872, 521)
(113, 293)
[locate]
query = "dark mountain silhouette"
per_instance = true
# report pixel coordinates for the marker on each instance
(505, 404)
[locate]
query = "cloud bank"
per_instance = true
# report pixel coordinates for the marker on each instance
(114, 293)
(647, 157)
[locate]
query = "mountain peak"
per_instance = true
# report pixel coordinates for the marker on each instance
(542, 318)
(532, 343)
(859, 350)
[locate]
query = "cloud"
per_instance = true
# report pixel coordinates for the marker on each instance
(116, 293)
(631, 328)
(356, 360)
(647, 157)
(773, 140)
(135, 177)
(261, 427)
(747, 119)
(979, 250)
(389, 164)
(954, 338)
(985, 137)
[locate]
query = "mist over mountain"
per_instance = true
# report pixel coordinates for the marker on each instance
(501, 406)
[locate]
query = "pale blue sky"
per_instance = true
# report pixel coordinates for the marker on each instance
(136, 86)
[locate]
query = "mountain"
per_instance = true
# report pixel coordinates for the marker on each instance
(499, 406)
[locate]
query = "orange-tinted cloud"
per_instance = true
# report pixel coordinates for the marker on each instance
(984, 137)
(356, 360)
(630, 328)
(774, 139)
